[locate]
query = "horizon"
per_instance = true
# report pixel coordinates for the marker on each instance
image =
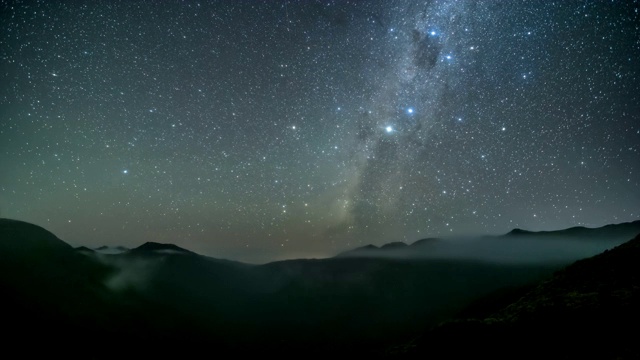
(450, 240)
(271, 130)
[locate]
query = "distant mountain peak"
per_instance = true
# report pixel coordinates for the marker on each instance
(359, 251)
(29, 238)
(425, 241)
(518, 231)
(583, 231)
(151, 246)
(372, 250)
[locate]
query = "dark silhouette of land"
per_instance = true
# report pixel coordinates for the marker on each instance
(398, 299)
(587, 310)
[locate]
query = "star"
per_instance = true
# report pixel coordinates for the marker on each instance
(432, 108)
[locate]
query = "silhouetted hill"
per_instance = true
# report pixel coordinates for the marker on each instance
(517, 231)
(162, 248)
(517, 246)
(425, 242)
(27, 239)
(67, 301)
(628, 230)
(363, 250)
(394, 245)
(587, 310)
(155, 293)
(46, 286)
(84, 249)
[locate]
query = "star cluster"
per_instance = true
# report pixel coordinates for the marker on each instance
(278, 129)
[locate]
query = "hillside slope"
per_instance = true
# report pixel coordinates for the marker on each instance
(587, 310)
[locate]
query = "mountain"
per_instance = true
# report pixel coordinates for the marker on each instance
(364, 251)
(517, 246)
(24, 239)
(425, 242)
(160, 248)
(84, 249)
(386, 250)
(156, 292)
(47, 287)
(165, 294)
(587, 310)
(64, 300)
(394, 245)
(518, 231)
(623, 230)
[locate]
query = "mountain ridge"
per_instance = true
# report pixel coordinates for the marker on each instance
(593, 299)
(627, 229)
(620, 231)
(574, 229)
(151, 246)
(156, 292)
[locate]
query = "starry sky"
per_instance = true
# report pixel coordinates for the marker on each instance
(259, 131)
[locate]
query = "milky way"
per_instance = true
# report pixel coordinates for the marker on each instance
(261, 131)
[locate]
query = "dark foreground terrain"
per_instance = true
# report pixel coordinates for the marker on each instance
(586, 310)
(159, 299)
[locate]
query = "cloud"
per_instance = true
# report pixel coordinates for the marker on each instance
(130, 273)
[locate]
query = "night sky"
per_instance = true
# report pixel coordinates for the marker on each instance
(280, 129)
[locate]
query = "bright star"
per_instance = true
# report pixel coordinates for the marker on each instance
(125, 171)
(389, 129)
(410, 110)
(433, 33)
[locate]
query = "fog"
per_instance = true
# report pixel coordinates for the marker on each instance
(508, 249)
(129, 273)
(372, 294)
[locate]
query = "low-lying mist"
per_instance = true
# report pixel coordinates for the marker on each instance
(505, 249)
(371, 294)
